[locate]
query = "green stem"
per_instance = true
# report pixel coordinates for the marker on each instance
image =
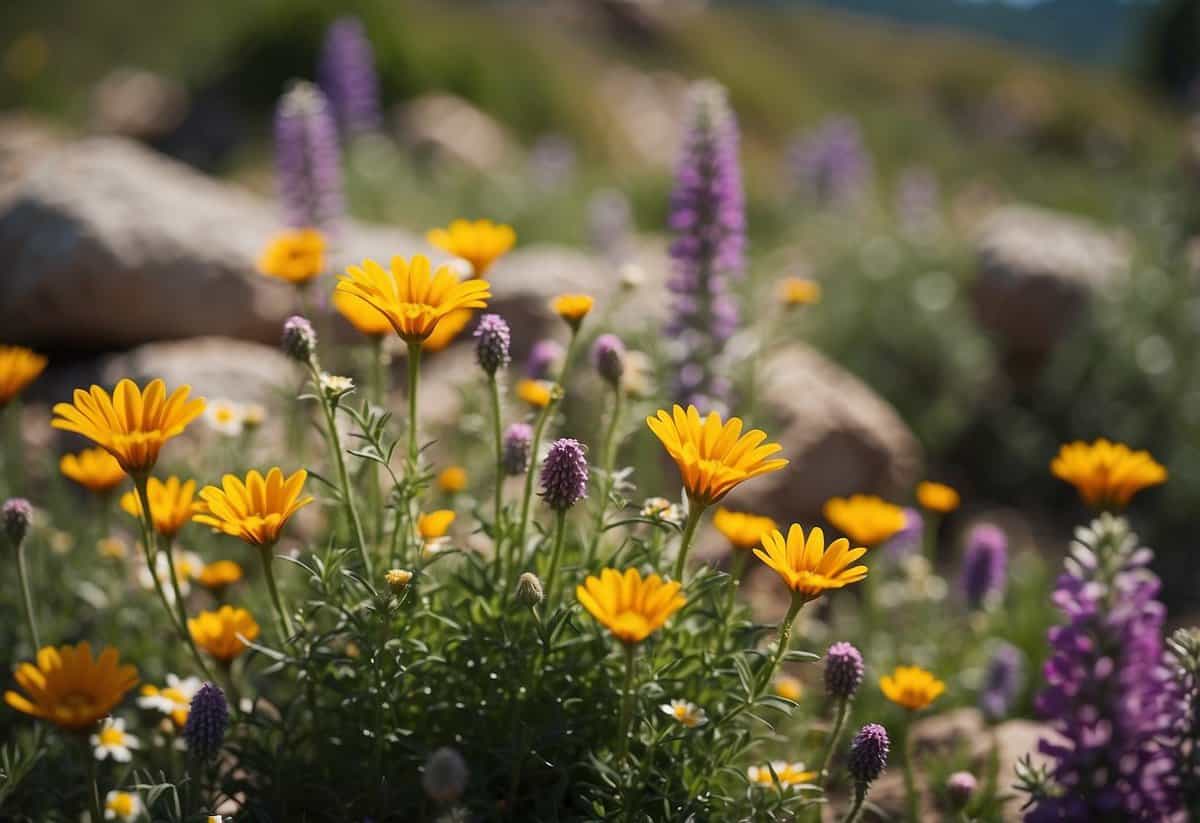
(150, 550)
(860, 798)
(626, 703)
(538, 429)
(378, 391)
(910, 780)
(414, 377)
(182, 608)
(608, 458)
(785, 639)
(735, 578)
(498, 503)
(560, 529)
(97, 809)
(839, 724)
(13, 462)
(27, 597)
(929, 537)
(335, 445)
(285, 619)
(695, 512)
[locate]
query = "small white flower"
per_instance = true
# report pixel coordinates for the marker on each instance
(253, 415)
(187, 566)
(631, 275)
(434, 546)
(334, 385)
(174, 699)
(686, 714)
(224, 417)
(124, 806)
(660, 508)
(112, 741)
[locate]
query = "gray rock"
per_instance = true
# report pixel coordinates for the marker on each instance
(109, 245)
(1037, 272)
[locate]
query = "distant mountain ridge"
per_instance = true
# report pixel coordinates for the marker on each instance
(1100, 32)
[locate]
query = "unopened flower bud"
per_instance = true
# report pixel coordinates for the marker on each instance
(529, 590)
(517, 447)
(843, 670)
(492, 340)
(868, 753)
(960, 787)
(299, 338)
(445, 777)
(608, 358)
(17, 517)
(398, 580)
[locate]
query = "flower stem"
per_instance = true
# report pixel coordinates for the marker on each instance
(737, 568)
(929, 536)
(626, 703)
(414, 377)
(183, 618)
(560, 529)
(285, 619)
(839, 724)
(538, 429)
(378, 391)
(335, 445)
(494, 390)
(860, 798)
(785, 639)
(27, 597)
(695, 512)
(608, 458)
(89, 758)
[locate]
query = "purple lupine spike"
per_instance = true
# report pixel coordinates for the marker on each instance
(985, 564)
(308, 161)
(909, 538)
(1107, 691)
(1002, 681)
(564, 474)
(347, 76)
(868, 754)
(207, 720)
(831, 163)
(708, 221)
(492, 339)
(843, 670)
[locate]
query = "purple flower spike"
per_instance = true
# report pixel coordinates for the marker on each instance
(308, 162)
(347, 76)
(831, 163)
(564, 474)
(1002, 681)
(517, 444)
(543, 357)
(843, 670)
(17, 515)
(492, 340)
(985, 565)
(868, 754)
(608, 357)
(207, 721)
(708, 221)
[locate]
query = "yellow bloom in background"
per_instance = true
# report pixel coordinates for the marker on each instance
(255, 510)
(297, 256)
(911, 687)
(628, 606)
(864, 518)
(398, 579)
(789, 688)
(70, 688)
(713, 457)
(535, 392)
(113, 548)
(362, 316)
(174, 699)
(799, 291)
(480, 242)
(132, 425)
(448, 330)
(412, 299)
(172, 504)
(434, 524)
(123, 806)
(742, 530)
(452, 479)
(94, 469)
(788, 774)
(806, 566)
(1107, 473)
(220, 633)
(18, 368)
(937, 497)
(572, 307)
(219, 575)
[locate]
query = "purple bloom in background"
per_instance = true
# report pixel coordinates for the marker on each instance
(564, 474)
(543, 357)
(843, 670)
(708, 222)
(909, 538)
(1107, 689)
(610, 223)
(831, 163)
(516, 447)
(985, 564)
(918, 199)
(347, 76)
(608, 358)
(492, 338)
(299, 339)
(1002, 682)
(307, 160)
(17, 515)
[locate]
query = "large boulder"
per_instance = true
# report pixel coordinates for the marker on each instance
(444, 125)
(1037, 272)
(109, 245)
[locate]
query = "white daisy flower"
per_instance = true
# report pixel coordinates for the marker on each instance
(113, 741)
(124, 806)
(660, 508)
(224, 417)
(334, 385)
(685, 713)
(174, 699)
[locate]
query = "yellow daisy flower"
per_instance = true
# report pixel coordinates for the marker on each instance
(132, 425)
(789, 688)
(713, 457)
(362, 316)
(799, 291)
(452, 479)
(18, 368)
(435, 524)
(742, 530)
(297, 256)
(864, 518)
(1107, 473)
(172, 504)
(572, 308)
(94, 469)
(628, 606)
(789, 774)
(255, 510)
(70, 688)
(937, 497)
(218, 632)
(448, 330)
(413, 299)
(536, 393)
(219, 575)
(911, 687)
(806, 566)
(480, 242)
